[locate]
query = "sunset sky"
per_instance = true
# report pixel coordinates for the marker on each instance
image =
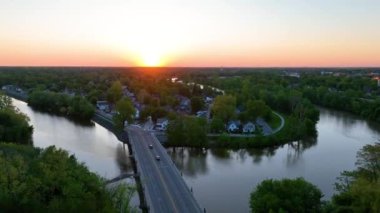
(264, 33)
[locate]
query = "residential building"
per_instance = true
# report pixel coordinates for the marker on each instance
(233, 126)
(162, 124)
(208, 100)
(202, 114)
(103, 105)
(249, 127)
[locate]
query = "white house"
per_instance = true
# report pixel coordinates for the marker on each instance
(202, 114)
(102, 105)
(233, 126)
(137, 113)
(249, 127)
(162, 124)
(208, 100)
(8, 87)
(184, 103)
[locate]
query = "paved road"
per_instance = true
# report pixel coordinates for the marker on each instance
(164, 188)
(267, 130)
(281, 124)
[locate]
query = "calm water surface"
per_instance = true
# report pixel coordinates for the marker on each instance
(95, 146)
(222, 180)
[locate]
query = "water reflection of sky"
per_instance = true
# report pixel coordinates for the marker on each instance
(223, 179)
(94, 145)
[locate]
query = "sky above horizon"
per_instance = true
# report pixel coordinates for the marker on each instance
(229, 33)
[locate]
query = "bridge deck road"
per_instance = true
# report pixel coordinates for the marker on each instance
(164, 188)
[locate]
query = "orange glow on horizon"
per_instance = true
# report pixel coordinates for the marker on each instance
(151, 59)
(182, 33)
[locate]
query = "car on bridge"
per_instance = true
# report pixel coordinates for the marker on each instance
(158, 157)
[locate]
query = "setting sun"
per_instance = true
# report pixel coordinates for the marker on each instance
(151, 60)
(189, 33)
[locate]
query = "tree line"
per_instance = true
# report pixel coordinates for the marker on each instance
(357, 190)
(62, 104)
(48, 180)
(357, 95)
(153, 89)
(257, 95)
(14, 125)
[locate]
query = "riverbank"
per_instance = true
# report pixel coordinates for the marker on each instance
(281, 135)
(290, 129)
(278, 138)
(123, 137)
(107, 125)
(213, 172)
(217, 140)
(16, 95)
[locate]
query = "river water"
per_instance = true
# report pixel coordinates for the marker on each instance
(221, 180)
(93, 145)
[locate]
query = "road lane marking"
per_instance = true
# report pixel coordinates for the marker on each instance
(175, 170)
(160, 175)
(166, 168)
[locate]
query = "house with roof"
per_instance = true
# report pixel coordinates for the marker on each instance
(208, 100)
(9, 87)
(127, 92)
(249, 128)
(377, 78)
(233, 126)
(161, 124)
(184, 103)
(202, 114)
(137, 113)
(103, 106)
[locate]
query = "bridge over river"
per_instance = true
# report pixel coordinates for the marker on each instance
(163, 186)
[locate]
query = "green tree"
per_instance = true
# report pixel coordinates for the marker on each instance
(14, 125)
(143, 97)
(359, 190)
(62, 104)
(5, 101)
(196, 131)
(368, 162)
(189, 131)
(154, 112)
(50, 180)
(257, 108)
(80, 107)
(224, 107)
(247, 90)
(285, 195)
(217, 125)
(175, 132)
(115, 92)
(125, 112)
(197, 104)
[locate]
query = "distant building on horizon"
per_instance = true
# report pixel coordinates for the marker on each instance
(378, 80)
